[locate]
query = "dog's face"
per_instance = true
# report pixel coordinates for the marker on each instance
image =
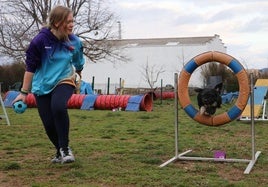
(208, 100)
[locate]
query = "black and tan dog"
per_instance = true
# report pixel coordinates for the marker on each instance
(209, 100)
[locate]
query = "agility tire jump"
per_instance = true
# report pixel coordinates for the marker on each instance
(244, 89)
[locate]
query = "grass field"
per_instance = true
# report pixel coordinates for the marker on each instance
(126, 149)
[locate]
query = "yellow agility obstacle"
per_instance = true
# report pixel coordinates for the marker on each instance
(260, 98)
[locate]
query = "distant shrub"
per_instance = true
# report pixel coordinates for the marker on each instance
(11, 74)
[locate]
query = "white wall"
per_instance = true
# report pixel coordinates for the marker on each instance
(172, 58)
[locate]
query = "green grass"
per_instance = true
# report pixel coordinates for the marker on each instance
(126, 149)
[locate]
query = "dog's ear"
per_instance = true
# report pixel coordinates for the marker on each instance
(198, 90)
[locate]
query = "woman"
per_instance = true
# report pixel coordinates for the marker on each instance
(53, 59)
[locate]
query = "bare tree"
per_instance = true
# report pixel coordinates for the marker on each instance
(21, 20)
(213, 69)
(217, 69)
(151, 73)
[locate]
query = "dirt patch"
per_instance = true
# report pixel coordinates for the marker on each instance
(233, 174)
(8, 181)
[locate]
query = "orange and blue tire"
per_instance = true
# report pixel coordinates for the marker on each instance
(244, 88)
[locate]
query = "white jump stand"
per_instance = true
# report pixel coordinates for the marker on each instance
(251, 162)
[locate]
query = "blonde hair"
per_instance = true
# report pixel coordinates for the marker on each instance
(58, 15)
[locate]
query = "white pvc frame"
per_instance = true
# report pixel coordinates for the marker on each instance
(3, 108)
(251, 162)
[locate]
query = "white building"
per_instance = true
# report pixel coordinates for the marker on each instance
(169, 53)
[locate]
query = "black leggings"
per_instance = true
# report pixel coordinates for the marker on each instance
(53, 112)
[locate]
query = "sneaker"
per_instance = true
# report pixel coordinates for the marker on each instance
(57, 158)
(66, 155)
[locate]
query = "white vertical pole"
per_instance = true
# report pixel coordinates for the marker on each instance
(3, 107)
(252, 116)
(176, 113)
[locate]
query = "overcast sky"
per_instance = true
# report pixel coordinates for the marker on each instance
(241, 24)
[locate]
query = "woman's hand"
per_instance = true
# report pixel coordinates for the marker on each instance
(20, 97)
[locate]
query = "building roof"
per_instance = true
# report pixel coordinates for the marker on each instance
(167, 41)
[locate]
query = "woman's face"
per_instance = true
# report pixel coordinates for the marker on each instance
(67, 26)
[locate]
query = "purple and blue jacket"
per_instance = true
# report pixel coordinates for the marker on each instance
(52, 60)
